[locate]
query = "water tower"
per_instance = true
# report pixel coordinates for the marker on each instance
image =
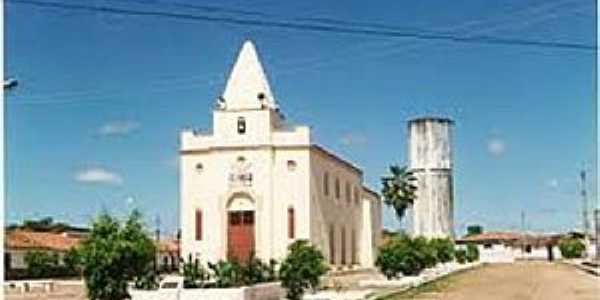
(430, 159)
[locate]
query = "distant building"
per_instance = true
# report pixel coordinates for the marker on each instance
(256, 184)
(168, 255)
(498, 247)
(18, 243)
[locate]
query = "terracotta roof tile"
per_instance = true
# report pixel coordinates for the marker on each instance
(20, 239)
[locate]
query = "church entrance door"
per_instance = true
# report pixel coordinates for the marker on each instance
(240, 235)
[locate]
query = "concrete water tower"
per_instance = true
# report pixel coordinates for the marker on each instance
(430, 158)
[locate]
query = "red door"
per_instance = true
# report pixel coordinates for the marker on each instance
(240, 235)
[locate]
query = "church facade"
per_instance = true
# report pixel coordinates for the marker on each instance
(255, 184)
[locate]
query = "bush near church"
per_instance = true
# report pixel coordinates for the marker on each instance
(302, 269)
(472, 253)
(571, 248)
(444, 249)
(403, 255)
(461, 256)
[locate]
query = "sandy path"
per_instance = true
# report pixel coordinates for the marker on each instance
(521, 281)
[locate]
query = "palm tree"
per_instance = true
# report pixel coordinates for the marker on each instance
(398, 189)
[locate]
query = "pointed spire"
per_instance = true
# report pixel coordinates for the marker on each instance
(247, 86)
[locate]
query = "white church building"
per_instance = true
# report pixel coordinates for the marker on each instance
(255, 184)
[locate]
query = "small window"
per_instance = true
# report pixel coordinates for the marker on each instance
(241, 125)
(487, 246)
(326, 184)
(348, 193)
(331, 244)
(199, 167)
(337, 188)
(291, 225)
(343, 242)
(291, 165)
(356, 196)
(198, 225)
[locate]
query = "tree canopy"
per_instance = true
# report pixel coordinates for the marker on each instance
(114, 254)
(399, 190)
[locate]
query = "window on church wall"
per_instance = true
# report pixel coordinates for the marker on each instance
(337, 188)
(326, 184)
(291, 223)
(354, 248)
(198, 225)
(343, 242)
(331, 245)
(241, 125)
(356, 196)
(348, 193)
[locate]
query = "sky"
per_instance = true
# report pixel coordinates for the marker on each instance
(94, 123)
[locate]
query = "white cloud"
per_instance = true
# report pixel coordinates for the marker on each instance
(352, 139)
(552, 183)
(496, 146)
(118, 128)
(98, 176)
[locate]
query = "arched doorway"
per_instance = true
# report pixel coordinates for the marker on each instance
(240, 228)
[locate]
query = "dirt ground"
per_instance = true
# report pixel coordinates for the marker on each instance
(521, 281)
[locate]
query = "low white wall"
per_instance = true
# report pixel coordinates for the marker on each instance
(264, 291)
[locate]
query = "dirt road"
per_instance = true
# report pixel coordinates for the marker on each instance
(521, 281)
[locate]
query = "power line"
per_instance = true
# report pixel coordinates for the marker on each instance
(421, 35)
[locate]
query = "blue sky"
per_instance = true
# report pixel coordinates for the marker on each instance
(94, 123)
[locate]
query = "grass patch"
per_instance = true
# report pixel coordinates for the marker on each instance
(433, 287)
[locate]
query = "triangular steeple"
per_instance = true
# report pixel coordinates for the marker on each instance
(247, 86)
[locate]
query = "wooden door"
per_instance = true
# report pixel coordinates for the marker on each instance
(240, 235)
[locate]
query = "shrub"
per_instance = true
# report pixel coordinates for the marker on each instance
(256, 271)
(571, 248)
(426, 251)
(194, 274)
(404, 255)
(227, 274)
(461, 256)
(146, 281)
(444, 249)
(40, 264)
(472, 253)
(301, 269)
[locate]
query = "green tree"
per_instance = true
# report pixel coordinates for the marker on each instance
(474, 230)
(114, 254)
(571, 248)
(72, 261)
(301, 269)
(398, 190)
(40, 263)
(472, 253)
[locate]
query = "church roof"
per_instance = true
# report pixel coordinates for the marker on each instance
(247, 86)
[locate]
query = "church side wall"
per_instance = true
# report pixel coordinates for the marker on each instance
(333, 216)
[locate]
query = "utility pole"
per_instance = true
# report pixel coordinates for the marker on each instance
(157, 242)
(586, 221)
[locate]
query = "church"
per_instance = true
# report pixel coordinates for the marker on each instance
(254, 184)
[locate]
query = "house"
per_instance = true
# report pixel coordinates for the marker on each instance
(256, 183)
(18, 243)
(498, 247)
